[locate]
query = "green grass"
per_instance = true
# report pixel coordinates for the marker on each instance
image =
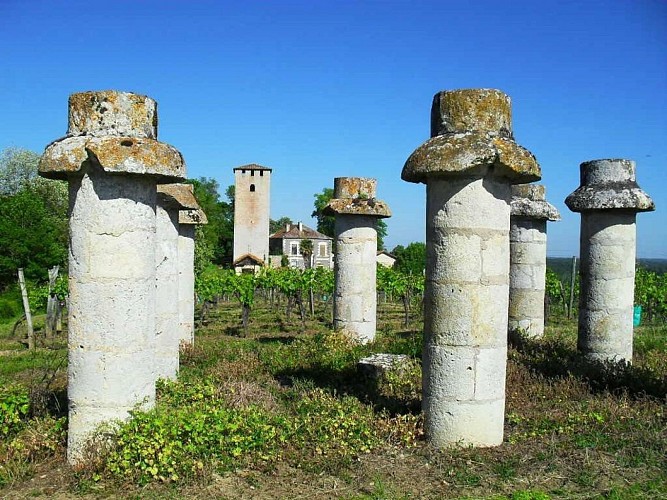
(283, 413)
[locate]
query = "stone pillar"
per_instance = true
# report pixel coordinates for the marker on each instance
(468, 166)
(356, 211)
(608, 200)
(189, 214)
(528, 257)
(113, 162)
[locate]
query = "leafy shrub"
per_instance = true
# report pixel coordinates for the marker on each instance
(9, 309)
(170, 443)
(14, 408)
(333, 425)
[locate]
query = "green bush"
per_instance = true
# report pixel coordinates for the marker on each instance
(9, 309)
(14, 408)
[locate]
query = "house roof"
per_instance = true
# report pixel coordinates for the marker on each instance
(248, 258)
(386, 253)
(305, 233)
(252, 166)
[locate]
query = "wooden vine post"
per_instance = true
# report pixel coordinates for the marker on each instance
(26, 308)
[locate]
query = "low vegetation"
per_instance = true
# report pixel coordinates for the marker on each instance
(279, 410)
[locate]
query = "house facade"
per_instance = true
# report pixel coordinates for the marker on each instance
(288, 240)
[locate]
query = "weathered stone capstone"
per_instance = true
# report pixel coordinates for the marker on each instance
(468, 166)
(356, 211)
(608, 199)
(471, 132)
(356, 196)
(609, 184)
(115, 131)
(529, 200)
(528, 253)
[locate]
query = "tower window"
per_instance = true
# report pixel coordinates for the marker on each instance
(261, 173)
(252, 188)
(252, 173)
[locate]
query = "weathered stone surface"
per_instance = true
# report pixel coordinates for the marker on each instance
(529, 200)
(115, 131)
(112, 161)
(468, 166)
(356, 196)
(471, 136)
(608, 199)
(465, 310)
(112, 302)
(376, 365)
(609, 184)
(471, 110)
(111, 113)
(251, 214)
(356, 211)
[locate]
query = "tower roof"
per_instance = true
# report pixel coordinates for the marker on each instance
(252, 166)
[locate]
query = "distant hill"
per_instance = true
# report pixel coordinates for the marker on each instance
(562, 265)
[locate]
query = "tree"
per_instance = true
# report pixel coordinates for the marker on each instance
(214, 242)
(326, 223)
(34, 222)
(410, 259)
(307, 252)
(277, 225)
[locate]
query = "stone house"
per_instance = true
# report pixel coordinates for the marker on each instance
(385, 259)
(287, 242)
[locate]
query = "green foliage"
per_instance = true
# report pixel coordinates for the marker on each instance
(38, 295)
(33, 227)
(651, 293)
(277, 225)
(14, 408)
(214, 242)
(411, 259)
(333, 425)
(170, 442)
(325, 223)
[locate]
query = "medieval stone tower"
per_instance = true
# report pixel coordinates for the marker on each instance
(251, 211)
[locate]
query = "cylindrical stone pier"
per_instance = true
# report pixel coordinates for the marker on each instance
(608, 200)
(356, 211)
(468, 166)
(181, 196)
(529, 212)
(113, 163)
(167, 330)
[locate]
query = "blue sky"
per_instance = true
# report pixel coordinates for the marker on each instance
(317, 90)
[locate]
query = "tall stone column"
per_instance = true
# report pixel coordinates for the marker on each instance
(468, 166)
(356, 211)
(189, 214)
(608, 200)
(113, 162)
(529, 212)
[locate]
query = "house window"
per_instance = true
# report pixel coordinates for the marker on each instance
(323, 249)
(294, 248)
(252, 188)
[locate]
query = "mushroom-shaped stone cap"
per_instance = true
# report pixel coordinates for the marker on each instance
(115, 131)
(529, 200)
(181, 196)
(356, 196)
(471, 110)
(109, 113)
(471, 135)
(609, 184)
